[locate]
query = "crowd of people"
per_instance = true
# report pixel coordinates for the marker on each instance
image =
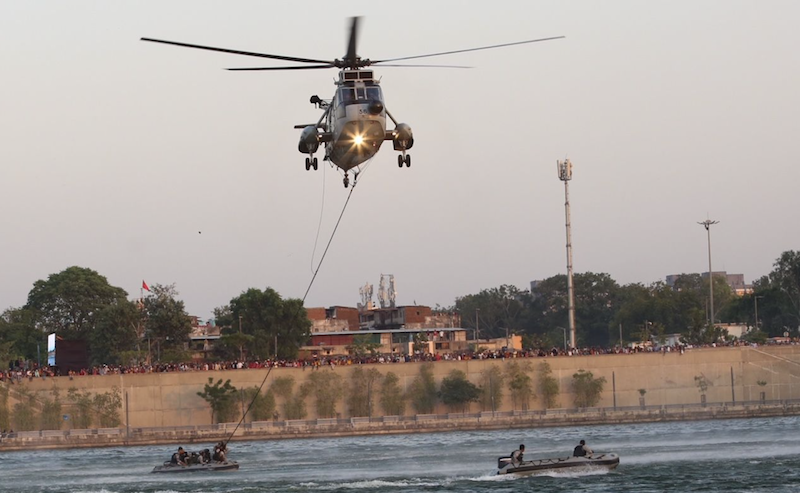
(20, 370)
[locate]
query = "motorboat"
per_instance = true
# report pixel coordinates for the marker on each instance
(594, 461)
(213, 466)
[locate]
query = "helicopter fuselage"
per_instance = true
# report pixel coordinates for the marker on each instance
(353, 126)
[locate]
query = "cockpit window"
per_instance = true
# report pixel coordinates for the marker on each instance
(347, 94)
(374, 93)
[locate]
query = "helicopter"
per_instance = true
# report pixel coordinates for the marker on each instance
(353, 122)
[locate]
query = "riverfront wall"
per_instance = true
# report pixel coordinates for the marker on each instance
(734, 375)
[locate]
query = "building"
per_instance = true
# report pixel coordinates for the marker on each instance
(202, 338)
(735, 281)
(393, 329)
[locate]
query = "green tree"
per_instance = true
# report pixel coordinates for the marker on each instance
(52, 411)
(24, 413)
(587, 389)
(5, 418)
(294, 405)
(520, 384)
(326, 387)
(548, 385)
(20, 338)
(107, 406)
(82, 412)
(115, 333)
(221, 398)
(268, 318)
(457, 392)
(233, 345)
(422, 391)
(363, 345)
(263, 407)
(492, 310)
(362, 391)
(392, 399)
(491, 388)
(69, 302)
(167, 322)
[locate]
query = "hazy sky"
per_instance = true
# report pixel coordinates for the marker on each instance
(144, 161)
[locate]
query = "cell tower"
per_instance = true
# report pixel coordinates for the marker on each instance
(387, 295)
(366, 296)
(565, 175)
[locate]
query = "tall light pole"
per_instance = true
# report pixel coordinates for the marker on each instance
(477, 324)
(707, 224)
(755, 298)
(565, 175)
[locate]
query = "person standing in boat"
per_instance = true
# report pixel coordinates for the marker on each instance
(582, 450)
(220, 452)
(516, 456)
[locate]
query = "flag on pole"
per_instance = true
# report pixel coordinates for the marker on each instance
(145, 286)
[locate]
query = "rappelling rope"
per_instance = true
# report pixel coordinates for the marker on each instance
(344, 208)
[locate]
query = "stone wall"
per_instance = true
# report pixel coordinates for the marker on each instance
(668, 379)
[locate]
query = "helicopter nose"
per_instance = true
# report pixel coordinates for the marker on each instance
(376, 107)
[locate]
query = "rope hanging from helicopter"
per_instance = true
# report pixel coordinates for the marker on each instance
(311, 283)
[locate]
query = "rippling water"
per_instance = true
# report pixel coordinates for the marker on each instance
(756, 455)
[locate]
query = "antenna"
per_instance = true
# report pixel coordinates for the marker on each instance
(565, 175)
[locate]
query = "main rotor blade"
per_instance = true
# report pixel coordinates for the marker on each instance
(423, 66)
(238, 52)
(351, 45)
(290, 67)
(464, 51)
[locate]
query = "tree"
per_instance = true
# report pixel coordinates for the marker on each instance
(24, 412)
(269, 319)
(19, 336)
(491, 388)
(167, 322)
(294, 405)
(69, 302)
(51, 418)
(362, 391)
(5, 418)
(492, 310)
(457, 392)
(548, 385)
(234, 345)
(82, 412)
(221, 399)
(520, 384)
(263, 404)
(586, 388)
(363, 345)
(326, 387)
(422, 391)
(115, 332)
(392, 400)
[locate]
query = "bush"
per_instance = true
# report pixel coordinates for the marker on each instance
(586, 388)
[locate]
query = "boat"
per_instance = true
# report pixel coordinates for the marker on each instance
(594, 461)
(169, 467)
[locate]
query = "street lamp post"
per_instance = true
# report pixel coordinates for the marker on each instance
(707, 224)
(755, 298)
(477, 323)
(565, 337)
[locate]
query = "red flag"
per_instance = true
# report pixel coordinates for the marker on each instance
(145, 286)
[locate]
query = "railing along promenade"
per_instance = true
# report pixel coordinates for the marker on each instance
(420, 423)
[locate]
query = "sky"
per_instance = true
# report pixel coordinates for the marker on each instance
(151, 162)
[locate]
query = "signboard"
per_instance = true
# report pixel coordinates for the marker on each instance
(51, 349)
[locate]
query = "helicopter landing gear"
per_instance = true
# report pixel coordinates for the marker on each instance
(311, 163)
(404, 159)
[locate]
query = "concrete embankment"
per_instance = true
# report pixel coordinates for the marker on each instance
(208, 434)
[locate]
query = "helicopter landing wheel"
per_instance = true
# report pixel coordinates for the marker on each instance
(308, 164)
(408, 160)
(314, 164)
(400, 161)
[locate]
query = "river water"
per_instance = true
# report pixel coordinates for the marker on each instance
(751, 455)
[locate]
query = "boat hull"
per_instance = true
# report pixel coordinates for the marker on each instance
(596, 461)
(210, 467)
